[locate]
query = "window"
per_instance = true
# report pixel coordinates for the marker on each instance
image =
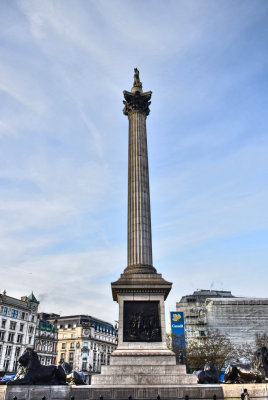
(71, 356)
(8, 350)
(31, 329)
(1, 347)
(85, 344)
(62, 356)
(63, 345)
(30, 339)
(72, 345)
(10, 337)
(12, 325)
(19, 338)
(202, 333)
(2, 335)
(17, 352)
(84, 356)
(15, 365)
(4, 310)
(32, 318)
(21, 327)
(22, 315)
(14, 313)
(3, 323)
(84, 366)
(6, 365)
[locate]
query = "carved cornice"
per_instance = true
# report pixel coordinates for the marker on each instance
(137, 101)
(140, 283)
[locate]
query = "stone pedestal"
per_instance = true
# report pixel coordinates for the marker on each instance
(138, 361)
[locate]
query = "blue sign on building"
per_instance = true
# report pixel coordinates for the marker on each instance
(177, 326)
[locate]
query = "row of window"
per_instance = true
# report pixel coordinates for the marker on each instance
(45, 347)
(13, 313)
(105, 338)
(45, 334)
(102, 358)
(97, 328)
(11, 337)
(105, 330)
(13, 324)
(9, 350)
(44, 361)
(7, 363)
(94, 346)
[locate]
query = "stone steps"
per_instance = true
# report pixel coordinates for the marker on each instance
(142, 359)
(144, 379)
(143, 369)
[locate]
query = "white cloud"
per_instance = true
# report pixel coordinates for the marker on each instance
(63, 152)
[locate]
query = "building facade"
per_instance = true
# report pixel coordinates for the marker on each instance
(45, 341)
(84, 342)
(238, 318)
(18, 319)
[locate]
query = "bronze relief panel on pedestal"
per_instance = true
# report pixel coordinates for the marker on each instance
(141, 322)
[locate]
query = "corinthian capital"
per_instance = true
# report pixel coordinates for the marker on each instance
(137, 101)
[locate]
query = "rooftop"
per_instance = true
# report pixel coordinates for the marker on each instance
(203, 294)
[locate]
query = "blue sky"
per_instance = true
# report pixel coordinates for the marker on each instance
(63, 146)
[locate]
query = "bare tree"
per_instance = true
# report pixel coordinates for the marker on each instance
(261, 340)
(246, 351)
(214, 346)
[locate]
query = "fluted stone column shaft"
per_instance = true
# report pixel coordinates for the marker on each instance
(139, 213)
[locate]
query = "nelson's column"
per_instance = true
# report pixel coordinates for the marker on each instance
(142, 356)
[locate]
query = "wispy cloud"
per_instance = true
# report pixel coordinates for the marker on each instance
(63, 145)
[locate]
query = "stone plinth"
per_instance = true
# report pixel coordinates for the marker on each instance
(31, 392)
(86, 392)
(108, 392)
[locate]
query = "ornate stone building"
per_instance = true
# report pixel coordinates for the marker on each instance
(18, 319)
(45, 341)
(240, 318)
(85, 342)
